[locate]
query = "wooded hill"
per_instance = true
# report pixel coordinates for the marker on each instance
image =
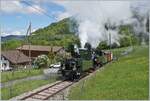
(61, 33)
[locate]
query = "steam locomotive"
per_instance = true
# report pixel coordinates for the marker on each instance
(72, 68)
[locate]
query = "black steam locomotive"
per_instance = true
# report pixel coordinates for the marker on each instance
(81, 59)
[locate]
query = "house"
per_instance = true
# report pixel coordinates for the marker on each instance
(14, 57)
(36, 50)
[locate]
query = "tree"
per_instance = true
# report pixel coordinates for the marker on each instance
(128, 36)
(41, 61)
(102, 45)
(125, 41)
(11, 44)
(71, 49)
(114, 45)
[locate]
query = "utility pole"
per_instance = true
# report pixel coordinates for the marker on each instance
(149, 25)
(29, 44)
(109, 40)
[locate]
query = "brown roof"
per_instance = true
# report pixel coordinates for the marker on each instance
(39, 48)
(15, 57)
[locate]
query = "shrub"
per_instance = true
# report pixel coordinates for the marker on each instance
(41, 61)
(102, 45)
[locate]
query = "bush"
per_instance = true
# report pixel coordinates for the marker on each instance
(102, 45)
(114, 45)
(125, 41)
(41, 61)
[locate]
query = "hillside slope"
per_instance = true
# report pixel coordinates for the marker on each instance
(61, 33)
(126, 78)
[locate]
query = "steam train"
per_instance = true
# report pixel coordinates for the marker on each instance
(73, 68)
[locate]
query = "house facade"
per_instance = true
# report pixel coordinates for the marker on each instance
(10, 59)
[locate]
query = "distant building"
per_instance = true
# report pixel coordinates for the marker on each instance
(37, 50)
(11, 58)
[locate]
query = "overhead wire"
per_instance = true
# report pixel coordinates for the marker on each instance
(37, 9)
(41, 11)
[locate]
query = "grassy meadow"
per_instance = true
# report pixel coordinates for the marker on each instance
(125, 79)
(13, 75)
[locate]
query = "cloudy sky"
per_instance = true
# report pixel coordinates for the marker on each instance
(16, 14)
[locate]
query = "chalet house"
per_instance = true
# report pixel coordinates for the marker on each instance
(36, 50)
(12, 58)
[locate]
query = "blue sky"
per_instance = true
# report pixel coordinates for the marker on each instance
(16, 15)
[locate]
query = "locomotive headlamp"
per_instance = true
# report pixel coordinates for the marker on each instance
(74, 68)
(63, 67)
(78, 73)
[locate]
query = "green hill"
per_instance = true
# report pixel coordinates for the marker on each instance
(61, 33)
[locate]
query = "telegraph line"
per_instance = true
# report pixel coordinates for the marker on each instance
(43, 12)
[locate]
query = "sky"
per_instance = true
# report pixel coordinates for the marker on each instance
(16, 15)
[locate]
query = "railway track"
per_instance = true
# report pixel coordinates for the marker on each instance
(48, 92)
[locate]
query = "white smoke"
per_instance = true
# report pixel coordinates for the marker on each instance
(90, 32)
(142, 10)
(92, 15)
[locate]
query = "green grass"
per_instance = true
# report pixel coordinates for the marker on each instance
(17, 89)
(126, 78)
(10, 75)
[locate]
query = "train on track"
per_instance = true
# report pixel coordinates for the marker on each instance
(81, 60)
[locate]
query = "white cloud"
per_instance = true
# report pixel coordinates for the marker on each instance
(62, 15)
(17, 32)
(33, 30)
(35, 9)
(8, 6)
(11, 6)
(4, 34)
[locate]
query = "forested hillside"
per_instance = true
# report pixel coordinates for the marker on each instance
(61, 33)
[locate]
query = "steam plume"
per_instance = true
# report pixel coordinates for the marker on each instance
(93, 15)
